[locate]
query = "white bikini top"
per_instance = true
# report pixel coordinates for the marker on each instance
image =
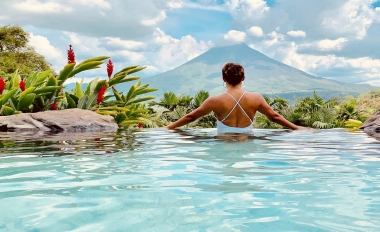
(222, 128)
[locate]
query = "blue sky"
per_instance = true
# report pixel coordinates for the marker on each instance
(333, 39)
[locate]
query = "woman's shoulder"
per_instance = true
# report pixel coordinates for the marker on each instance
(254, 94)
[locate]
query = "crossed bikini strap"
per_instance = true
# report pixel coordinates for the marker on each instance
(237, 104)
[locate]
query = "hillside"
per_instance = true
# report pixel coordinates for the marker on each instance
(263, 75)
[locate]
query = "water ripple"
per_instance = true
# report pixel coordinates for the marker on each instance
(190, 180)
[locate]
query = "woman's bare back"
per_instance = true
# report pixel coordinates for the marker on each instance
(224, 103)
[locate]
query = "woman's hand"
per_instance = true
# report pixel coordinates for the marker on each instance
(304, 128)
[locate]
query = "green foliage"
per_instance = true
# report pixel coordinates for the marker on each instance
(16, 54)
(44, 92)
(309, 111)
(317, 113)
(172, 107)
(199, 98)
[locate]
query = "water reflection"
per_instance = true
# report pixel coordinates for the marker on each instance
(188, 180)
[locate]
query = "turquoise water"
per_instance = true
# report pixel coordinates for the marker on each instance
(191, 180)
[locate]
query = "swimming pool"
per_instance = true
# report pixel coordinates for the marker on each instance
(191, 180)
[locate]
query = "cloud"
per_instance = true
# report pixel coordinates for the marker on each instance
(42, 46)
(174, 52)
(112, 43)
(176, 4)
(326, 44)
(256, 31)
(274, 38)
(151, 69)
(235, 36)
(152, 22)
(35, 6)
(161, 38)
(328, 38)
(355, 16)
(93, 3)
(90, 18)
(358, 70)
(297, 33)
(247, 8)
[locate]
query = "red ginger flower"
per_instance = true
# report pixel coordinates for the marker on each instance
(54, 106)
(2, 85)
(101, 92)
(109, 68)
(22, 85)
(70, 55)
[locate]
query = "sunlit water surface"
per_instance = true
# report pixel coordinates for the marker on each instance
(191, 180)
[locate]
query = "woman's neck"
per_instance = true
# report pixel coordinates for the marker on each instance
(233, 88)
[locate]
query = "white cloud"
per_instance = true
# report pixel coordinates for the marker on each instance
(93, 3)
(134, 57)
(235, 36)
(355, 16)
(247, 7)
(83, 43)
(297, 33)
(326, 44)
(152, 22)
(79, 80)
(124, 44)
(175, 4)
(151, 69)
(174, 52)
(42, 46)
(256, 31)
(355, 70)
(161, 38)
(36, 6)
(275, 38)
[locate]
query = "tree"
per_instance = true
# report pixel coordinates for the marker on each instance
(16, 54)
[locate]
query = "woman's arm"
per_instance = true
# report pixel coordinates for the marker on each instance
(204, 109)
(272, 115)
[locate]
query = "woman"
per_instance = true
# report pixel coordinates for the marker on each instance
(235, 109)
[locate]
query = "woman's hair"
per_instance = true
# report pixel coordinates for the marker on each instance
(233, 73)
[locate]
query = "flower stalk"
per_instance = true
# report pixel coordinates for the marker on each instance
(22, 85)
(2, 85)
(109, 68)
(70, 55)
(54, 106)
(101, 93)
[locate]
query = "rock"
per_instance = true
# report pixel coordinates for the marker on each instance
(55, 136)
(69, 120)
(372, 126)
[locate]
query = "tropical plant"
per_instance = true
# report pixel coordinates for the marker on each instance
(172, 107)
(40, 92)
(316, 112)
(281, 106)
(199, 98)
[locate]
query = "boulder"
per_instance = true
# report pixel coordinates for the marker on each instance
(69, 120)
(372, 126)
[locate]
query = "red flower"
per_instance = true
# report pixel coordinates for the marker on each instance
(101, 92)
(54, 106)
(70, 55)
(140, 125)
(2, 85)
(22, 85)
(109, 68)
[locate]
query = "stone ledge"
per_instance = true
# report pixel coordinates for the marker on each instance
(372, 126)
(69, 120)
